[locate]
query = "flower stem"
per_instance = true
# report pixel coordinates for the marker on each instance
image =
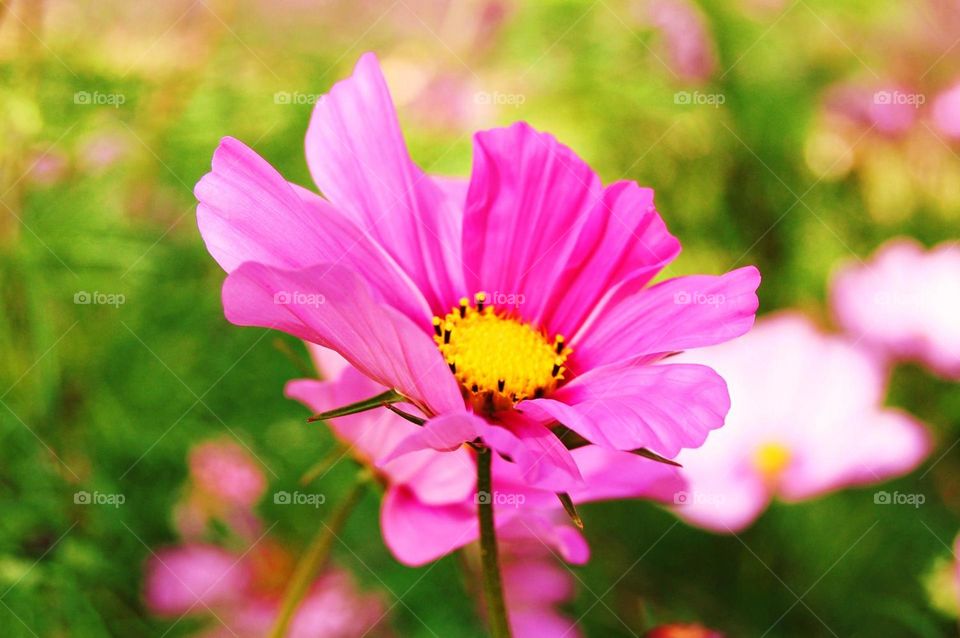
(492, 585)
(315, 558)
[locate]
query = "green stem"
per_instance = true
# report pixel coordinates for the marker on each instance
(315, 559)
(492, 585)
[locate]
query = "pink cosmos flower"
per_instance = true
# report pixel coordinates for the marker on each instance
(429, 505)
(495, 307)
(810, 422)
(905, 303)
(240, 593)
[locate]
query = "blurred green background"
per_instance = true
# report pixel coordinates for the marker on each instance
(110, 111)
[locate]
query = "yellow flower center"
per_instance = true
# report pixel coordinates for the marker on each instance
(771, 459)
(498, 358)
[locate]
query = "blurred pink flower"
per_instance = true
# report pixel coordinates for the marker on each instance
(225, 483)
(102, 150)
(241, 595)
(946, 112)
(194, 578)
(227, 471)
(429, 504)
(889, 109)
(566, 320)
(904, 303)
(534, 584)
(46, 168)
(687, 37)
(809, 421)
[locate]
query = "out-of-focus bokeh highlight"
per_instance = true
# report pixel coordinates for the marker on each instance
(145, 442)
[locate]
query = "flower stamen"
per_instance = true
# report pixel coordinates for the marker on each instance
(498, 359)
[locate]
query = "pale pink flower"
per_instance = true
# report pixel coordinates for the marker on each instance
(429, 505)
(904, 303)
(945, 112)
(240, 593)
(536, 277)
(807, 418)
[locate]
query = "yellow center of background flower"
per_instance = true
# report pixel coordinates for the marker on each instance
(498, 358)
(771, 459)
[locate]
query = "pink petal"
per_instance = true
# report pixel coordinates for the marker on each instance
(541, 458)
(330, 364)
(435, 478)
(624, 243)
(358, 158)
(727, 501)
(544, 529)
(539, 622)
(612, 474)
(892, 444)
(331, 306)
(904, 303)
(248, 212)
(681, 313)
(417, 533)
(662, 407)
(193, 577)
(529, 198)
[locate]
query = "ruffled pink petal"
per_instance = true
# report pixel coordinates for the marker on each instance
(529, 198)
(677, 314)
(623, 246)
(248, 212)
(612, 474)
(331, 306)
(417, 533)
(662, 407)
(357, 156)
(542, 460)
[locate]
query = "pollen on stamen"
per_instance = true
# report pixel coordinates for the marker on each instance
(498, 359)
